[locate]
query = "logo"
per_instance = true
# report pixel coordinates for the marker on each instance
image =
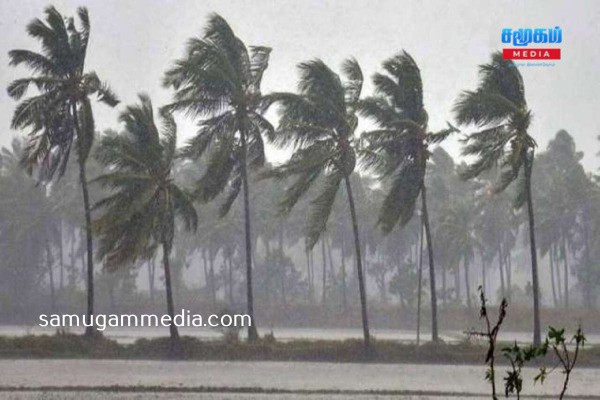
(523, 37)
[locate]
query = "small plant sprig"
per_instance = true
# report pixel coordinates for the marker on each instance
(556, 341)
(517, 357)
(491, 334)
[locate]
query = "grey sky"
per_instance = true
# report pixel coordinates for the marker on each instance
(134, 42)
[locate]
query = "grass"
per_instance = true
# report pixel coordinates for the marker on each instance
(63, 346)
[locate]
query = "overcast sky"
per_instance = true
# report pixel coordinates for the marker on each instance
(134, 41)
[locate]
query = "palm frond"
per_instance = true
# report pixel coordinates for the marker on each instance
(354, 81)
(438, 137)
(482, 108)
(399, 203)
(503, 77)
(184, 207)
(321, 208)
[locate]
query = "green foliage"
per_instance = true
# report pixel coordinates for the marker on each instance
(60, 111)
(555, 341)
(398, 150)
(518, 357)
(218, 81)
(499, 108)
(140, 213)
(319, 123)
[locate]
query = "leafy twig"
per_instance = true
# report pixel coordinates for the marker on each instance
(491, 334)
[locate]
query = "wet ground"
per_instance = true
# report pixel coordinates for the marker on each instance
(309, 381)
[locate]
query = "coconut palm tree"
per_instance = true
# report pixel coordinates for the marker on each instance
(60, 112)
(499, 109)
(320, 122)
(456, 230)
(218, 81)
(399, 150)
(139, 216)
(561, 185)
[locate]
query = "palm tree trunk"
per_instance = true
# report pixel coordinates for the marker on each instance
(89, 330)
(444, 286)
(282, 270)
(61, 255)
(72, 255)
(359, 269)
(566, 270)
(213, 286)
(324, 284)
(587, 291)
(420, 287)
(467, 283)
(537, 339)
(457, 289)
(332, 277)
(425, 221)
(308, 275)
(153, 267)
(230, 278)
(267, 278)
(483, 272)
(508, 267)
(343, 262)
(205, 269)
(252, 331)
(552, 277)
(501, 271)
(170, 306)
(558, 276)
(49, 262)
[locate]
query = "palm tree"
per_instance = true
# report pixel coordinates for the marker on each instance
(399, 150)
(219, 81)
(456, 230)
(60, 113)
(498, 107)
(139, 216)
(562, 186)
(320, 122)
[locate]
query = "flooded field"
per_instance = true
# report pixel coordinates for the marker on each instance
(253, 380)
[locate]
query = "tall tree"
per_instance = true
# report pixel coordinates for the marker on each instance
(28, 232)
(218, 81)
(398, 151)
(60, 113)
(499, 109)
(562, 186)
(139, 216)
(319, 123)
(456, 230)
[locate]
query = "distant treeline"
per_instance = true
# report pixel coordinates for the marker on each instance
(350, 218)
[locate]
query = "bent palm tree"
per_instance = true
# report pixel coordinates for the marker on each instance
(219, 81)
(140, 215)
(399, 150)
(498, 107)
(320, 122)
(61, 112)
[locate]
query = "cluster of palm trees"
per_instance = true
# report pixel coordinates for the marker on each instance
(217, 83)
